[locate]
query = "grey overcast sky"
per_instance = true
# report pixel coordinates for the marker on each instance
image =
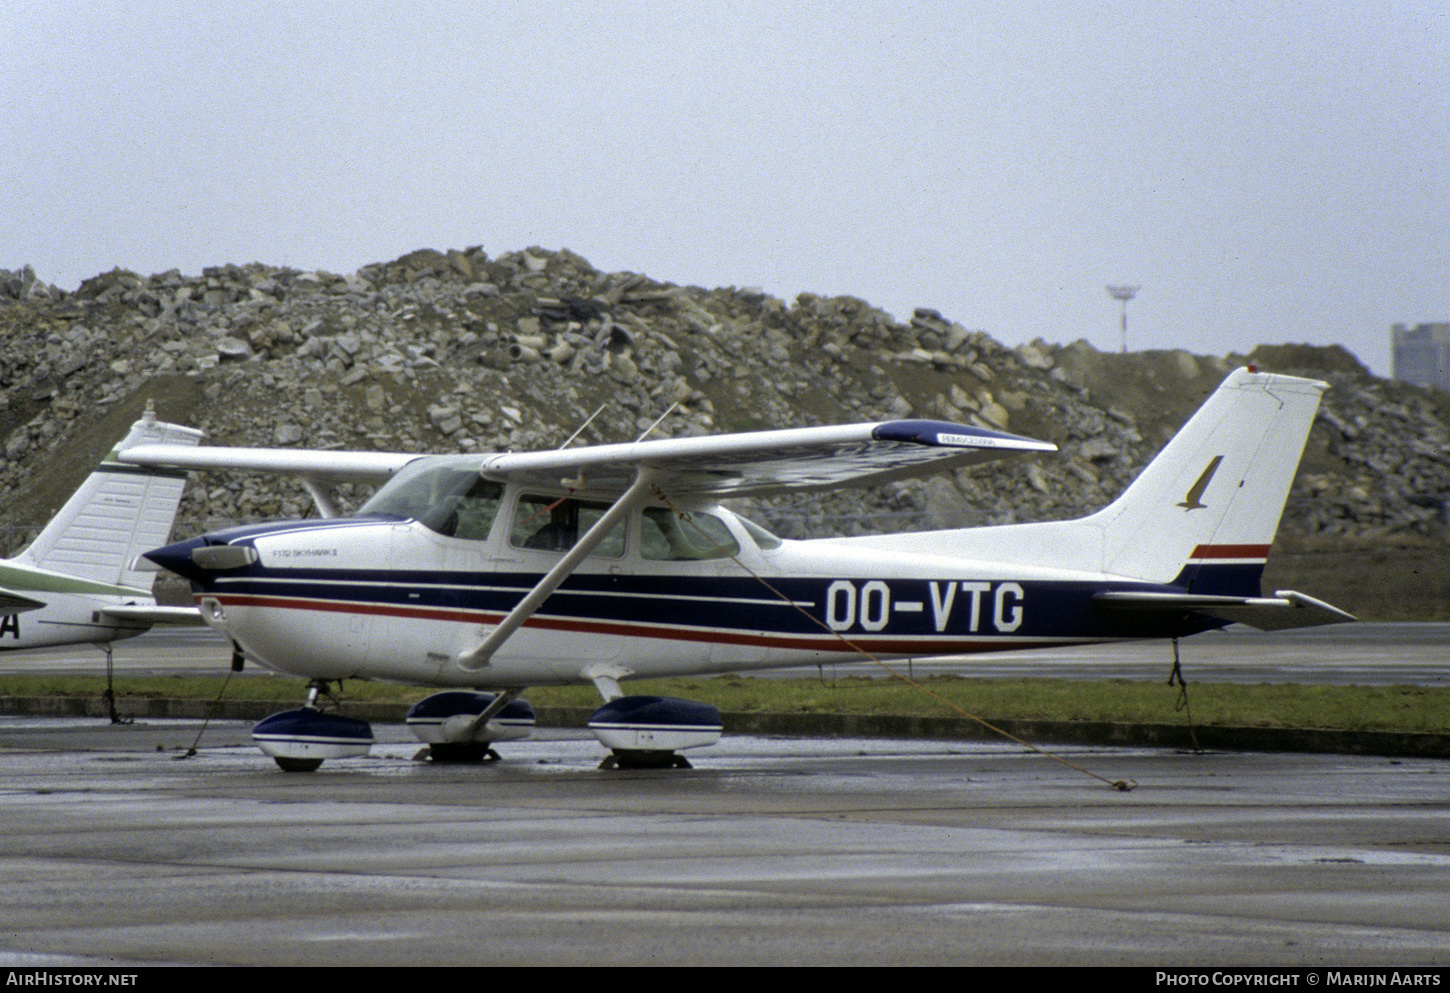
(1266, 171)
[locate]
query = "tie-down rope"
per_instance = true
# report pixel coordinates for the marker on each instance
(1122, 785)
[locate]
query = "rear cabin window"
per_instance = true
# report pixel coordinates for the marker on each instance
(554, 524)
(762, 538)
(668, 535)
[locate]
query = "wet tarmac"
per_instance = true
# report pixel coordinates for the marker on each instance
(1359, 654)
(115, 849)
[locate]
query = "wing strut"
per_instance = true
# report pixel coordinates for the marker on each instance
(477, 658)
(320, 497)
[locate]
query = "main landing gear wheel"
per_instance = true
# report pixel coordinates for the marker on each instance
(627, 758)
(456, 754)
(297, 765)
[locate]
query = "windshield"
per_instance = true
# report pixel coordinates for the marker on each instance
(452, 499)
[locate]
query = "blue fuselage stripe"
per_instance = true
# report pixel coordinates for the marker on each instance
(721, 606)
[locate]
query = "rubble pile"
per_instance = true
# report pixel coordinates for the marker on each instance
(458, 351)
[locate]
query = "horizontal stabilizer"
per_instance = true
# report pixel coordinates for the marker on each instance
(154, 614)
(15, 603)
(1286, 609)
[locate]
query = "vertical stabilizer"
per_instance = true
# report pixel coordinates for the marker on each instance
(1200, 516)
(1203, 513)
(119, 512)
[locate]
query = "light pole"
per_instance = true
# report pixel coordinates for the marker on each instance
(1123, 294)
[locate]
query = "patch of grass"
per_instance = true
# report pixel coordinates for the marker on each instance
(252, 686)
(1352, 708)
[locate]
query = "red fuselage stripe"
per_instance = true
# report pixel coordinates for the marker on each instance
(820, 643)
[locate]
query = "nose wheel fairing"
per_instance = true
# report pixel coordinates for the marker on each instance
(299, 740)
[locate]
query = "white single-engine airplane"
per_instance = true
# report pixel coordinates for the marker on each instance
(82, 579)
(501, 571)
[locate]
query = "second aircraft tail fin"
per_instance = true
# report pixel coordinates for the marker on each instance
(119, 512)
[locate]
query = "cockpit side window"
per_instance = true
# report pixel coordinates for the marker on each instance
(554, 524)
(468, 514)
(666, 535)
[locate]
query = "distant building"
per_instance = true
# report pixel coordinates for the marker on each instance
(1422, 354)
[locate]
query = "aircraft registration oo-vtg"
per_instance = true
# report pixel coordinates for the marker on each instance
(485, 574)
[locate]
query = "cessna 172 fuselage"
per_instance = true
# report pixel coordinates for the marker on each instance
(499, 572)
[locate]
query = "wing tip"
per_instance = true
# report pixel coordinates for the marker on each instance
(945, 434)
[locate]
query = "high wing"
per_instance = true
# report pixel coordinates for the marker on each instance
(763, 463)
(756, 463)
(317, 469)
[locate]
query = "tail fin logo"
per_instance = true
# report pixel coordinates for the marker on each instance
(1192, 500)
